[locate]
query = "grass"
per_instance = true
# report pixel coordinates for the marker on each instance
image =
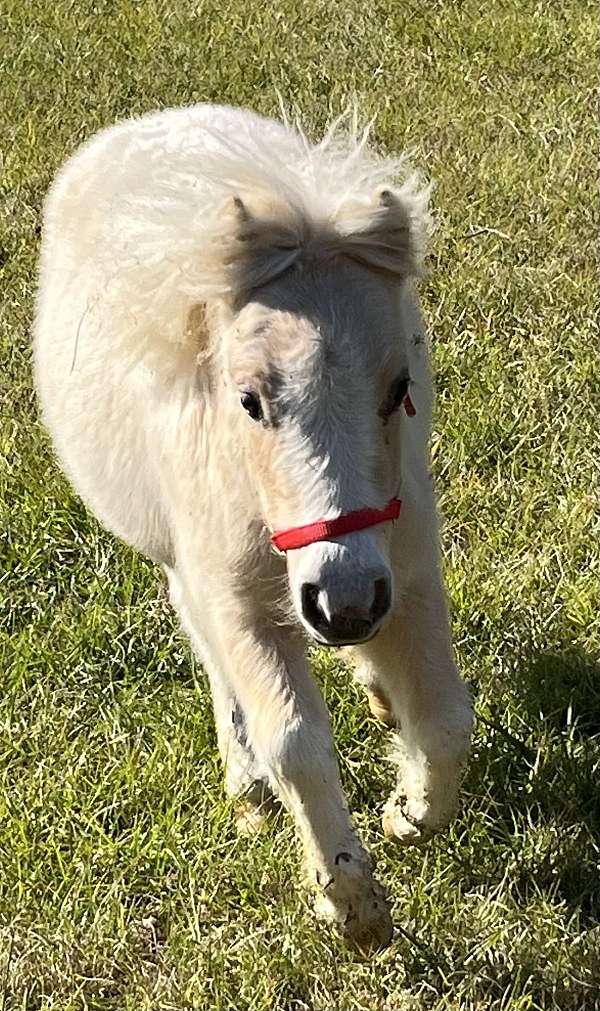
(122, 883)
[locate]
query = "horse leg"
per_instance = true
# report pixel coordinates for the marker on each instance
(245, 782)
(288, 734)
(412, 683)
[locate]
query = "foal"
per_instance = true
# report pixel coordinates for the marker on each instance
(232, 364)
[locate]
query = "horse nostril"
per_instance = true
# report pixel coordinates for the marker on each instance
(381, 600)
(310, 604)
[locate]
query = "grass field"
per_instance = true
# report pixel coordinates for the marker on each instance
(122, 882)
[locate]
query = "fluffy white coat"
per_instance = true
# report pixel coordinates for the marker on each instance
(198, 255)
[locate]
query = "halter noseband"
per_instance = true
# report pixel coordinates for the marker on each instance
(347, 523)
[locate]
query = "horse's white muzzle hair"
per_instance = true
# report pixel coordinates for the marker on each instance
(342, 589)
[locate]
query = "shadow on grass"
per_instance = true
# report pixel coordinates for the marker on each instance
(541, 777)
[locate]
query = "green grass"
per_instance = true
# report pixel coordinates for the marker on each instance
(122, 883)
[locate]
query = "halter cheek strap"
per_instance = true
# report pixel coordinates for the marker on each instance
(347, 523)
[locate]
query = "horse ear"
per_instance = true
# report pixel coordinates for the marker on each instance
(241, 224)
(257, 245)
(236, 214)
(239, 209)
(387, 198)
(386, 232)
(253, 226)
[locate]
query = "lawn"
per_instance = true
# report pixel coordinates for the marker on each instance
(123, 884)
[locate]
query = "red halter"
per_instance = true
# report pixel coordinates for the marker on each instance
(347, 523)
(324, 530)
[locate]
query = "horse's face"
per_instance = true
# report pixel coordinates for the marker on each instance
(317, 370)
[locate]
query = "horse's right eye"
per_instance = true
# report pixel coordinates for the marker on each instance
(250, 401)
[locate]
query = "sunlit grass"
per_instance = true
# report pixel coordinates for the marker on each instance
(122, 882)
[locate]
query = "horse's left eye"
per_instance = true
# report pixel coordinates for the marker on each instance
(398, 391)
(396, 395)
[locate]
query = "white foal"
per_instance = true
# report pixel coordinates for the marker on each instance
(232, 364)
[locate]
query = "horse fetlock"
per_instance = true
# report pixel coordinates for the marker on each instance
(354, 902)
(425, 799)
(244, 776)
(406, 821)
(253, 806)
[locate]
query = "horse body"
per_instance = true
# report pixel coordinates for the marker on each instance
(227, 328)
